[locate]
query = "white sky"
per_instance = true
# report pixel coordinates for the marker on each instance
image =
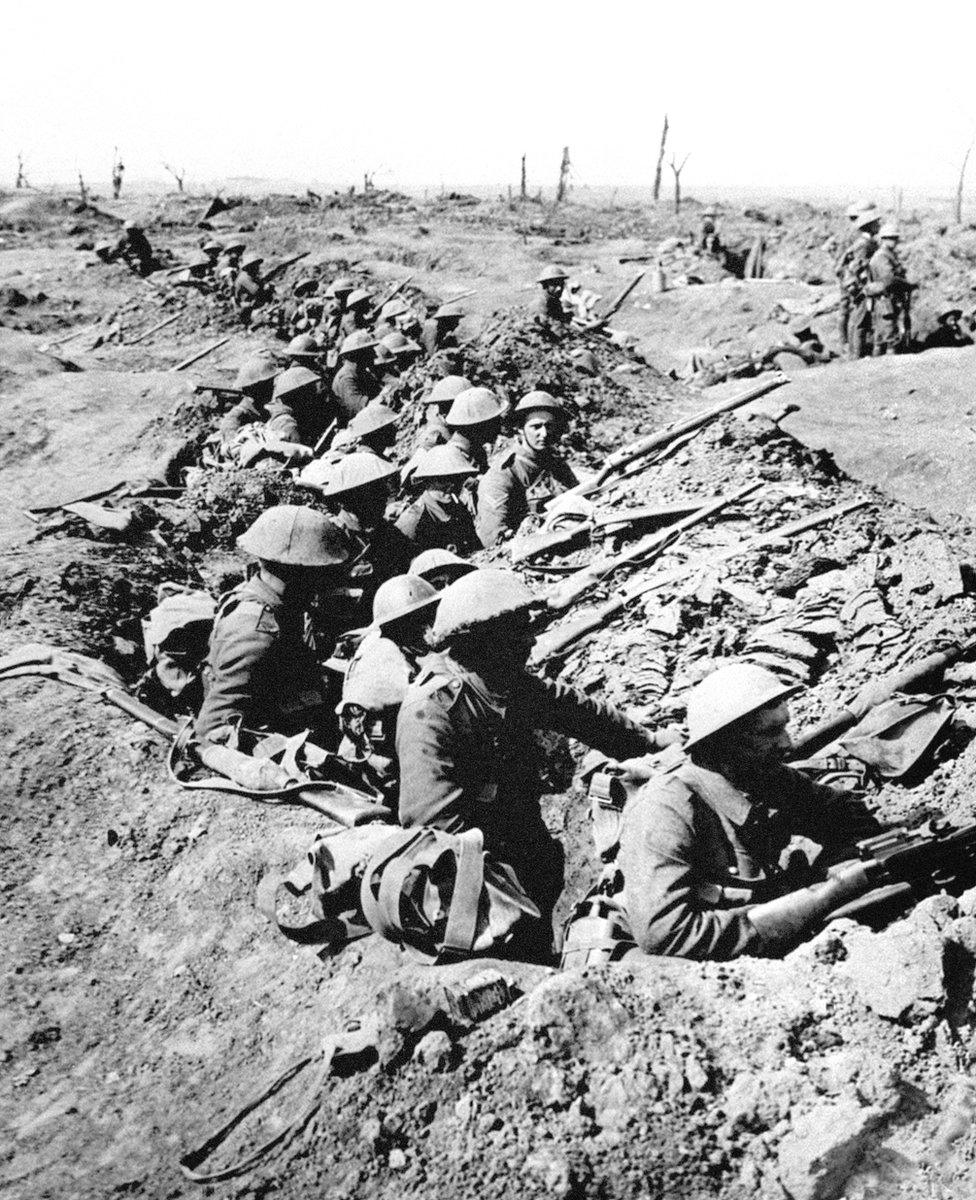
(839, 96)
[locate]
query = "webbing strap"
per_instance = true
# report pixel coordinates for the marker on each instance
(376, 907)
(462, 920)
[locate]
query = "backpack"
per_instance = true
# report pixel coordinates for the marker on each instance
(176, 638)
(437, 894)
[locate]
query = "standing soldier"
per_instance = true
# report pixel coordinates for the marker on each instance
(440, 518)
(708, 239)
(118, 170)
(465, 735)
(892, 295)
(549, 306)
(855, 281)
(529, 474)
(263, 672)
(846, 243)
(475, 421)
(355, 384)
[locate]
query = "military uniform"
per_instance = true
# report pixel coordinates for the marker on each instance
(262, 672)
(439, 522)
(303, 422)
(856, 278)
(473, 451)
(383, 552)
(695, 850)
(549, 307)
(246, 411)
(892, 294)
(353, 387)
(435, 336)
(468, 760)
(518, 482)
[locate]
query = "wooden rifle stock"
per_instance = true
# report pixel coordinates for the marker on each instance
(283, 266)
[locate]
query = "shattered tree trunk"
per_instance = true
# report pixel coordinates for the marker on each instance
(961, 183)
(522, 196)
(563, 186)
(660, 160)
(677, 180)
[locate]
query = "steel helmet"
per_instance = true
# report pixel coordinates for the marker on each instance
(448, 312)
(355, 471)
(382, 356)
(317, 473)
(394, 308)
(867, 217)
(397, 343)
(474, 407)
(440, 562)
(730, 693)
(377, 678)
(199, 260)
(401, 596)
(539, 400)
(212, 247)
(443, 462)
(551, 274)
(478, 598)
(251, 260)
(356, 342)
(358, 299)
(304, 346)
(710, 211)
(371, 419)
(259, 369)
(234, 243)
(340, 287)
(294, 379)
(889, 230)
(295, 535)
(447, 389)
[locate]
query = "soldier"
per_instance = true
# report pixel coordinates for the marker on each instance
(213, 250)
(335, 306)
(355, 383)
(468, 758)
(254, 381)
(855, 281)
(527, 475)
(948, 332)
(437, 403)
(304, 351)
(475, 420)
(549, 306)
(891, 294)
(405, 351)
(137, 251)
(263, 672)
(440, 567)
(373, 430)
(299, 412)
(357, 488)
(248, 290)
(440, 331)
(229, 263)
(387, 318)
(378, 675)
(195, 273)
(357, 313)
(846, 243)
(700, 844)
(807, 350)
(440, 518)
(708, 239)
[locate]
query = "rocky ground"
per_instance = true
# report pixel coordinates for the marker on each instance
(146, 997)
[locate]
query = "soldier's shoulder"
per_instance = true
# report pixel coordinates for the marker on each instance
(434, 686)
(244, 611)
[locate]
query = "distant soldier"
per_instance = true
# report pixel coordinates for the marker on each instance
(254, 381)
(525, 477)
(475, 421)
(701, 842)
(137, 251)
(213, 250)
(549, 307)
(335, 306)
(440, 330)
(854, 282)
(195, 275)
(708, 239)
(891, 294)
(845, 246)
(228, 264)
(118, 170)
(465, 735)
(948, 332)
(355, 383)
(249, 290)
(263, 672)
(440, 518)
(357, 313)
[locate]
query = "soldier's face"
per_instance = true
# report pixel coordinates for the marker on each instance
(540, 430)
(763, 738)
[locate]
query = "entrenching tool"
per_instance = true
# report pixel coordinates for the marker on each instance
(549, 645)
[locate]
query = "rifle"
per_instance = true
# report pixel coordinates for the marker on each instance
(551, 644)
(874, 694)
(617, 304)
(547, 540)
(663, 437)
(394, 292)
(891, 873)
(188, 362)
(282, 266)
(153, 329)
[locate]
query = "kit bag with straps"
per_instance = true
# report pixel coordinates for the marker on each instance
(176, 636)
(437, 894)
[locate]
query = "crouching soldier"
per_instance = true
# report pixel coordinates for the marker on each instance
(262, 673)
(701, 844)
(527, 476)
(464, 735)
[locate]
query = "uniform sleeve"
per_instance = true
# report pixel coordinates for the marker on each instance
(665, 912)
(281, 422)
(565, 710)
(497, 506)
(409, 520)
(243, 413)
(430, 790)
(882, 270)
(236, 655)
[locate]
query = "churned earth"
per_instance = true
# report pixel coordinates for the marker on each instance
(145, 997)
